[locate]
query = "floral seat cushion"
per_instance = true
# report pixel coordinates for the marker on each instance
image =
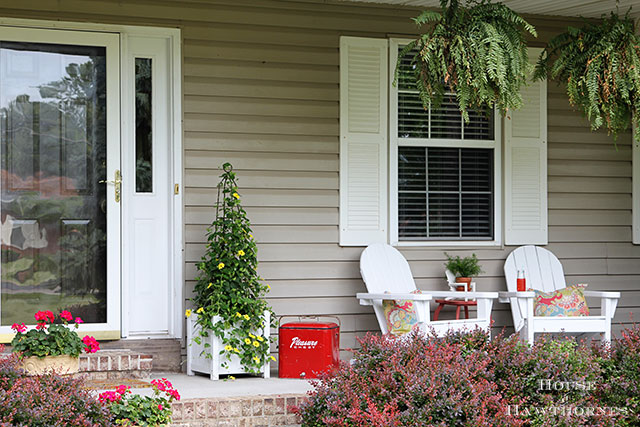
(400, 315)
(569, 301)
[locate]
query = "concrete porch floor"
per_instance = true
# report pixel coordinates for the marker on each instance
(200, 386)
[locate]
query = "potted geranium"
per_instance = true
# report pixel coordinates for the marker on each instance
(135, 410)
(464, 269)
(228, 332)
(51, 346)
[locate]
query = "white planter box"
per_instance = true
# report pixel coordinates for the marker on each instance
(197, 360)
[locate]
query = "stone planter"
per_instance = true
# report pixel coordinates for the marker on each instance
(60, 364)
(198, 362)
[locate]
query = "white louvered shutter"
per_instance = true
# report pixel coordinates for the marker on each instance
(526, 167)
(636, 191)
(363, 141)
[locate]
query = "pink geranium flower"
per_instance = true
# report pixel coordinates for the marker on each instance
(44, 316)
(79, 320)
(19, 327)
(66, 315)
(91, 343)
(109, 396)
(122, 389)
(165, 385)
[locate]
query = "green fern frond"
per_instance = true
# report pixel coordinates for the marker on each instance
(600, 63)
(477, 50)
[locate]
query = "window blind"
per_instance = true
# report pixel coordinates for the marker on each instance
(445, 193)
(415, 121)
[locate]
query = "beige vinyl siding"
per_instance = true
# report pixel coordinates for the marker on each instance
(261, 91)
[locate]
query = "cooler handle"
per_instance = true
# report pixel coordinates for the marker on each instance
(301, 316)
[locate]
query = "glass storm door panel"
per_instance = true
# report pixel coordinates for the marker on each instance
(59, 148)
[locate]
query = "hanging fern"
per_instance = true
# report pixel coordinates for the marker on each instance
(601, 65)
(478, 52)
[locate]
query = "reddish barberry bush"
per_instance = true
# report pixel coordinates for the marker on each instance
(620, 385)
(466, 379)
(415, 381)
(46, 400)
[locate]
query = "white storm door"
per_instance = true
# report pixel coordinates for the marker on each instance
(60, 142)
(147, 188)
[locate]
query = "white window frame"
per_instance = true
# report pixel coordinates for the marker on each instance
(395, 142)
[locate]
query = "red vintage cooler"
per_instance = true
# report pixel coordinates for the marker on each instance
(308, 348)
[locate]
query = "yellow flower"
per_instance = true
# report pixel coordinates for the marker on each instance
(231, 377)
(256, 344)
(228, 348)
(236, 349)
(236, 195)
(200, 310)
(255, 359)
(273, 358)
(221, 266)
(268, 287)
(210, 285)
(246, 317)
(251, 336)
(238, 314)
(247, 341)
(251, 235)
(241, 252)
(187, 313)
(260, 339)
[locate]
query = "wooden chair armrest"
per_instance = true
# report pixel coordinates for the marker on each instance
(598, 294)
(460, 294)
(395, 296)
(504, 296)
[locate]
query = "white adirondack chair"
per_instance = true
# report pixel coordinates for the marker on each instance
(453, 285)
(543, 272)
(384, 269)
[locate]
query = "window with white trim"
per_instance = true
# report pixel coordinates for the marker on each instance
(445, 173)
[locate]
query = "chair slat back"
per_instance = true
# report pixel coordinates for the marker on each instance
(384, 269)
(542, 270)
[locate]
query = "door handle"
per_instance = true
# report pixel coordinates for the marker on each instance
(117, 182)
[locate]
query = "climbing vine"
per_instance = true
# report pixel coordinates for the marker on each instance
(228, 283)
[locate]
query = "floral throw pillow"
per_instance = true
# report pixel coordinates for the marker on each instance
(400, 315)
(569, 301)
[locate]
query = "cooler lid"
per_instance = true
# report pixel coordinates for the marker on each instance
(309, 325)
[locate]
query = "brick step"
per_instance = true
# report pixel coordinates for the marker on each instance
(238, 411)
(116, 364)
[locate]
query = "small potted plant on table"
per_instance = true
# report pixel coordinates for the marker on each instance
(464, 269)
(51, 346)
